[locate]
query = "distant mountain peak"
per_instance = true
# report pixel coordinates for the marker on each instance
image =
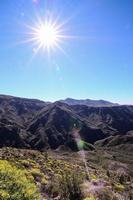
(88, 102)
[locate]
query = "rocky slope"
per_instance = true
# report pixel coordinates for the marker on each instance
(29, 123)
(118, 142)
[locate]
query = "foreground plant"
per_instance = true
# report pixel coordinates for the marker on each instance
(70, 186)
(16, 184)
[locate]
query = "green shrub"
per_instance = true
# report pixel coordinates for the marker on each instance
(70, 186)
(119, 187)
(15, 184)
(90, 198)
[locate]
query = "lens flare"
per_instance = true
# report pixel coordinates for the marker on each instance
(80, 145)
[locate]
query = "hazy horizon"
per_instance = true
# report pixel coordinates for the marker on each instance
(54, 100)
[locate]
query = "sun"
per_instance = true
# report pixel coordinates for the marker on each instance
(46, 35)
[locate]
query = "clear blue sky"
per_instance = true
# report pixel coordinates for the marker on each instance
(97, 64)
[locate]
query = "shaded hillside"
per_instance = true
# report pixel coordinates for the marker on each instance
(36, 124)
(118, 142)
(55, 125)
(18, 110)
(114, 119)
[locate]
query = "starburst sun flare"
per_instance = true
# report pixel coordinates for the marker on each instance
(46, 35)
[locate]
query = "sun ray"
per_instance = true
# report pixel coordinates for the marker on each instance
(48, 34)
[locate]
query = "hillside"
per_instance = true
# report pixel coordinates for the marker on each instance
(34, 175)
(118, 142)
(29, 123)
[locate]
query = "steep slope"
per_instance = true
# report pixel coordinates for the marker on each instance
(29, 123)
(112, 120)
(56, 125)
(18, 110)
(14, 116)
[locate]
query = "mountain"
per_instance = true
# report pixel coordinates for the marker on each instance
(88, 102)
(15, 113)
(56, 124)
(112, 120)
(19, 110)
(30, 123)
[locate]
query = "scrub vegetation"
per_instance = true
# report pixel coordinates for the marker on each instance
(34, 175)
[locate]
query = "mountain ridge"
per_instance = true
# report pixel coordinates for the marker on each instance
(38, 125)
(88, 102)
(68, 100)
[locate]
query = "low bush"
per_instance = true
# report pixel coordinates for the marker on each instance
(15, 183)
(70, 186)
